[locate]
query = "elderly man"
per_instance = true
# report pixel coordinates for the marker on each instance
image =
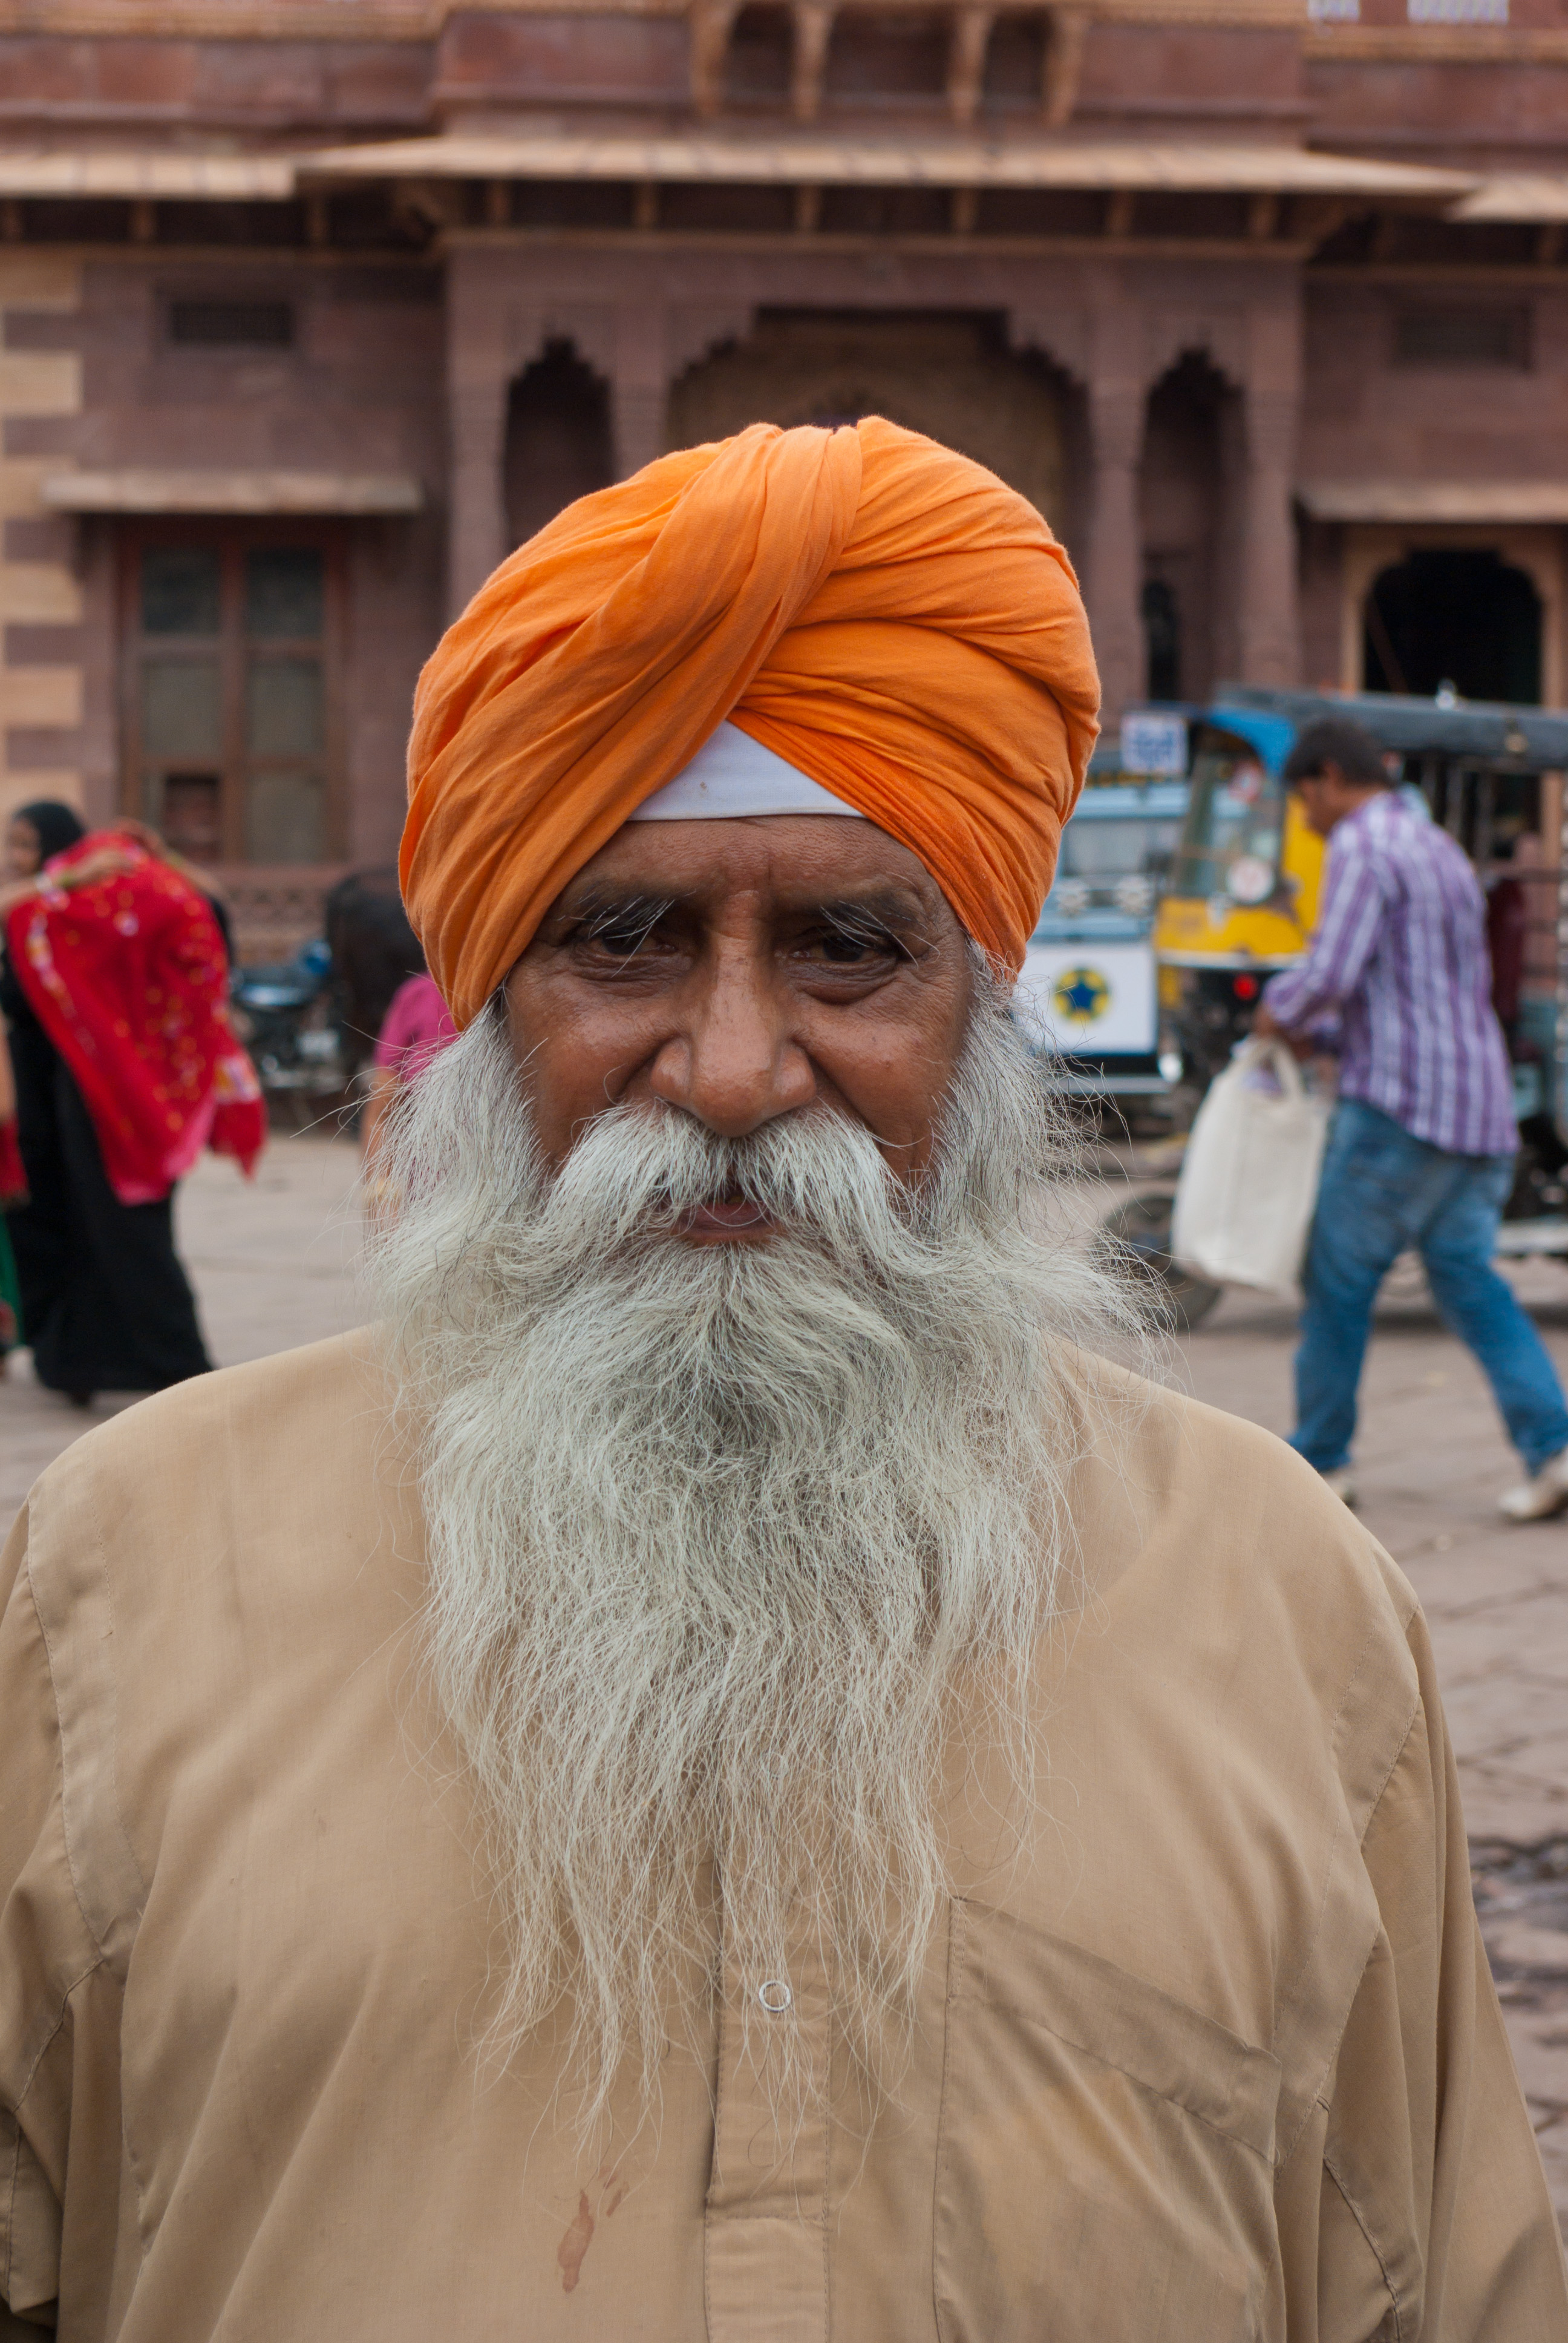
(716, 1775)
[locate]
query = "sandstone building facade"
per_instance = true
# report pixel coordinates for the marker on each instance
(309, 311)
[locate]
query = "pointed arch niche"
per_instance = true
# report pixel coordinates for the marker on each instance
(1526, 562)
(558, 444)
(1186, 504)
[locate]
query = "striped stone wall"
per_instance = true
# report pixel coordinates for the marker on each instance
(40, 676)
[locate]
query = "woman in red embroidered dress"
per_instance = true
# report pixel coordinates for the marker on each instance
(114, 989)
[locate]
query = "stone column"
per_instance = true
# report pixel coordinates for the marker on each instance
(477, 540)
(1114, 547)
(477, 379)
(640, 386)
(1269, 630)
(636, 424)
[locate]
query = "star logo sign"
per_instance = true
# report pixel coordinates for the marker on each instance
(1081, 995)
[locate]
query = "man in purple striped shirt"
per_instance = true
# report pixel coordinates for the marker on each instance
(1420, 1150)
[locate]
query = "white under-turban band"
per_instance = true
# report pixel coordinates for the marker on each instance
(732, 777)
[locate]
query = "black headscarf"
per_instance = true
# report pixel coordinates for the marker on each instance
(58, 825)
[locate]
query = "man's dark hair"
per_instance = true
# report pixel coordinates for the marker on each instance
(1335, 740)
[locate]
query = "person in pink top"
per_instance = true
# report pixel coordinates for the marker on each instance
(416, 1026)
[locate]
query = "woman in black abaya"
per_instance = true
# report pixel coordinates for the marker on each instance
(105, 1305)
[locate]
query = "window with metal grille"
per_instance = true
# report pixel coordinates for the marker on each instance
(232, 324)
(232, 692)
(1458, 12)
(1489, 337)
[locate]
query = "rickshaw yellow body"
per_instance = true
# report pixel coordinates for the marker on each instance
(1215, 932)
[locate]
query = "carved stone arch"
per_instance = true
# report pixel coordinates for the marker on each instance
(588, 326)
(694, 334)
(1217, 337)
(1190, 524)
(1060, 341)
(1460, 608)
(1062, 338)
(559, 441)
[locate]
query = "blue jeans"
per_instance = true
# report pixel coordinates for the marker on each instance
(1384, 1191)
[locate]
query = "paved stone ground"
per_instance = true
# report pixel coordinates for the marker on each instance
(273, 1264)
(272, 1261)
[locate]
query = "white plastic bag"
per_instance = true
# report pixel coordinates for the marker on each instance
(1249, 1181)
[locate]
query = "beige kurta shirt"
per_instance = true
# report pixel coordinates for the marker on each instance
(1213, 2056)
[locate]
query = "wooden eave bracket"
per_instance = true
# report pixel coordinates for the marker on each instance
(813, 23)
(965, 61)
(712, 24)
(1066, 33)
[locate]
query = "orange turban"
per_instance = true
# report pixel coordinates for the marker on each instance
(883, 614)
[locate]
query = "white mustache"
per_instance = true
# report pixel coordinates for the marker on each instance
(813, 1172)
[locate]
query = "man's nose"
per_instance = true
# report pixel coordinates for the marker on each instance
(734, 1062)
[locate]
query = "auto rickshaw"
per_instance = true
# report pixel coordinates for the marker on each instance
(1242, 894)
(1087, 994)
(1243, 898)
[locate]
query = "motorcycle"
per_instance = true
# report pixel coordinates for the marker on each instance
(284, 1012)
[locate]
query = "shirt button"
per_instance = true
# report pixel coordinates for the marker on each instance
(774, 1995)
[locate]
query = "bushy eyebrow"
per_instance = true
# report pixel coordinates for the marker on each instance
(890, 916)
(884, 916)
(631, 913)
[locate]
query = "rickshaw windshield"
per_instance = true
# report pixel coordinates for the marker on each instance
(1235, 820)
(1131, 846)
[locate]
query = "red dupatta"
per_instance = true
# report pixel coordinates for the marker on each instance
(129, 980)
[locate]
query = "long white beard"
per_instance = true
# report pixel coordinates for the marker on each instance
(722, 1540)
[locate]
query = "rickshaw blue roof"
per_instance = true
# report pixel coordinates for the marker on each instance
(1520, 740)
